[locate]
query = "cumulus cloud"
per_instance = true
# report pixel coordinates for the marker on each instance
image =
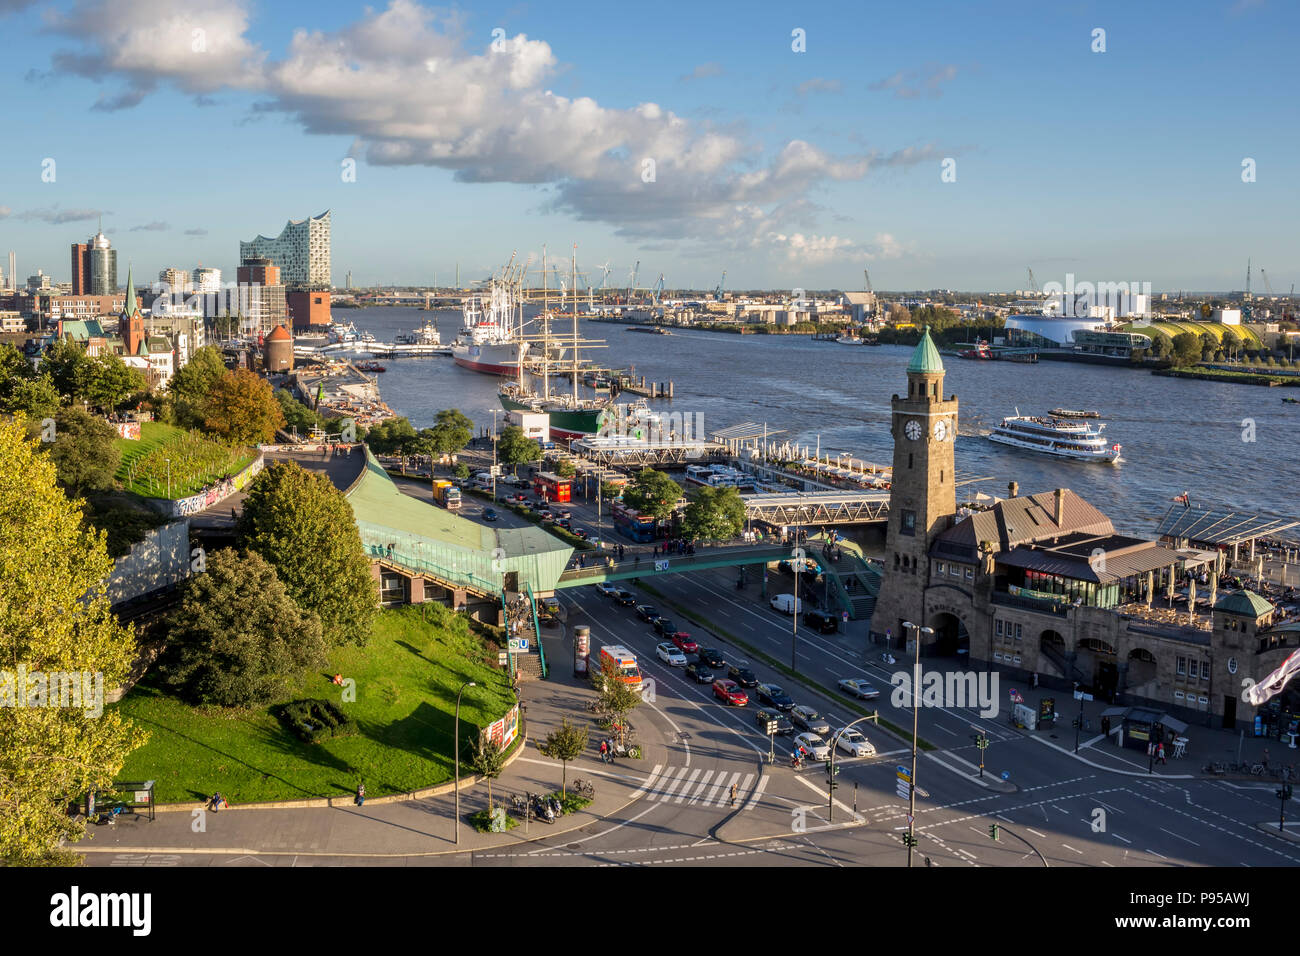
(817, 249)
(910, 84)
(408, 87)
(154, 226)
(56, 216)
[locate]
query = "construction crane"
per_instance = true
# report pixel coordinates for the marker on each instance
(631, 282)
(658, 290)
(717, 293)
(1033, 284)
(866, 278)
(1268, 286)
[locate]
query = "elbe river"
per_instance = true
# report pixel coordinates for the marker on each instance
(1233, 447)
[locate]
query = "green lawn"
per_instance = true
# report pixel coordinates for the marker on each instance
(195, 461)
(406, 682)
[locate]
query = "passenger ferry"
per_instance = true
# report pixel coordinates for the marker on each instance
(1061, 437)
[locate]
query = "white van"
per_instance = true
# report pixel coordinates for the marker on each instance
(785, 603)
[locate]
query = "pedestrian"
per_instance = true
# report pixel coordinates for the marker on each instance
(1035, 680)
(1266, 758)
(656, 550)
(361, 794)
(733, 794)
(604, 751)
(1160, 752)
(216, 801)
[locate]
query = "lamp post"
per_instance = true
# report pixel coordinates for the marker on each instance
(494, 455)
(915, 633)
(169, 477)
(456, 732)
(830, 768)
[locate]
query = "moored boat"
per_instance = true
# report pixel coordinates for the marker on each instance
(1063, 438)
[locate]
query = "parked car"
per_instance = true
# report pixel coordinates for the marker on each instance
(742, 676)
(785, 603)
(783, 725)
(685, 644)
(699, 673)
(489, 514)
(664, 626)
(813, 745)
(822, 621)
(774, 695)
(859, 688)
(712, 657)
(646, 612)
(809, 719)
(853, 743)
(670, 655)
(729, 692)
(625, 597)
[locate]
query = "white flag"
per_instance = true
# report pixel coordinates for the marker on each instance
(1272, 685)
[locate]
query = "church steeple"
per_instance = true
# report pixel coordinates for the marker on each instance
(129, 306)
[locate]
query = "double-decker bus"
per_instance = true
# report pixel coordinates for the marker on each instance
(552, 487)
(632, 525)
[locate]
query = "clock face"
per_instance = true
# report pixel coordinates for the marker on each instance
(912, 429)
(941, 430)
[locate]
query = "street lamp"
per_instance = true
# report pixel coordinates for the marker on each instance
(830, 766)
(456, 732)
(169, 477)
(494, 454)
(916, 634)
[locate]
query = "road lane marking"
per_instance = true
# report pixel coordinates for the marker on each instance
(690, 782)
(704, 782)
(1180, 836)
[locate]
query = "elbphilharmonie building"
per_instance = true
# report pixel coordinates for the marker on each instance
(301, 250)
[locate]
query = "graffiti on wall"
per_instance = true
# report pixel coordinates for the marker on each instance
(215, 493)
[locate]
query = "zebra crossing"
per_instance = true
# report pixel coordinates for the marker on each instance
(703, 788)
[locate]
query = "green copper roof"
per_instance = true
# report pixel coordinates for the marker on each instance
(1245, 603)
(128, 306)
(925, 358)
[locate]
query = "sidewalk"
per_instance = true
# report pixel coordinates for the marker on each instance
(411, 828)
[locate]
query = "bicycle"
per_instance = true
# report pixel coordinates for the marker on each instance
(583, 789)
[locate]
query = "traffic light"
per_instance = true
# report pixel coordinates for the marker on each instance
(909, 840)
(1284, 793)
(993, 830)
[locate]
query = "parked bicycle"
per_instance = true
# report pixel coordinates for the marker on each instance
(583, 789)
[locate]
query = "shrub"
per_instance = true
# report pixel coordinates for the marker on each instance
(314, 720)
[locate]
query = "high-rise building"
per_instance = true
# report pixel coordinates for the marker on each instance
(301, 250)
(262, 297)
(174, 281)
(13, 272)
(206, 280)
(349, 281)
(94, 266)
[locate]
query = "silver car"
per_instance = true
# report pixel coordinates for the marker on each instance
(813, 745)
(809, 719)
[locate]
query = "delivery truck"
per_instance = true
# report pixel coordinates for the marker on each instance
(447, 495)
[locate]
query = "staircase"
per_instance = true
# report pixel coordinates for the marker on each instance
(521, 612)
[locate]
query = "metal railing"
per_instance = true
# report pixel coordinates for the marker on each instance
(456, 567)
(541, 650)
(505, 616)
(1030, 604)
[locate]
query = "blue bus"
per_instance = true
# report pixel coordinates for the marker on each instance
(628, 523)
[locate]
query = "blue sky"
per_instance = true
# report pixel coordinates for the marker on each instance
(783, 168)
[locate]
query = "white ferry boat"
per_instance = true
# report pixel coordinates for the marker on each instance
(1061, 437)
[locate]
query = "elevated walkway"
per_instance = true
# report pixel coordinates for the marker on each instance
(818, 507)
(648, 567)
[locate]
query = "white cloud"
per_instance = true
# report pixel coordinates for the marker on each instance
(909, 84)
(409, 87)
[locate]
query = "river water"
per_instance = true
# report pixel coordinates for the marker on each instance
(1232, 447)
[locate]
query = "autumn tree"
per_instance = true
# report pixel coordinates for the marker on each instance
(299, 522)
(54, 619)
(238, 639)
(241, 409)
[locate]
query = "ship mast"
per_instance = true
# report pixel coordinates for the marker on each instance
(546, 332)
(573, 284)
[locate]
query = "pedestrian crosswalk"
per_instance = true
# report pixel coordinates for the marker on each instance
(703, 788)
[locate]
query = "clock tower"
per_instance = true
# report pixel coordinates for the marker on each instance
(922, 498)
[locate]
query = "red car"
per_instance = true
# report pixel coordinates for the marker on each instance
(729, 692)
(685, 644)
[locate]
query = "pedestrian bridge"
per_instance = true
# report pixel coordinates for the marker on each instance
(817, 507)
(646, 566)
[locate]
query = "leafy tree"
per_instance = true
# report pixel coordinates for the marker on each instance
(1231, 341)
(514, 447)
(190, 387)
(241, 409)
(302, 525)
(107, 383)
(1187, 348)
(386, 437)
(451, 432)
(565, 469)
(37, 398)
(488, 760)
(565, 743)
(84, 452)
(714, 514)
(67, 365)
(14, 370)
(54, 617)
(461, 470)
(609, 490)
(238, 639)
(296, 414)
(617, 699)
(652, 493)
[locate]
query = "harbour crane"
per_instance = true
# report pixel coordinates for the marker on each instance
(717, 293)
(1033, 284)
(866, 278)
(1268, 286)
(658, 290)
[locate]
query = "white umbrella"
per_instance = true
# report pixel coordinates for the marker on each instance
(1191, 600)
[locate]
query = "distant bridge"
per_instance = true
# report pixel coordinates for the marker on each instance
(818, 507)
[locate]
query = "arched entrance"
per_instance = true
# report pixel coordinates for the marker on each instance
(1141, 676)
(1096, 659)
(951, 638)
(1051, 649)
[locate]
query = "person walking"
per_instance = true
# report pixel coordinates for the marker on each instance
(733, 794)
(1160, 752)
(604, 751)
(361, 794)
